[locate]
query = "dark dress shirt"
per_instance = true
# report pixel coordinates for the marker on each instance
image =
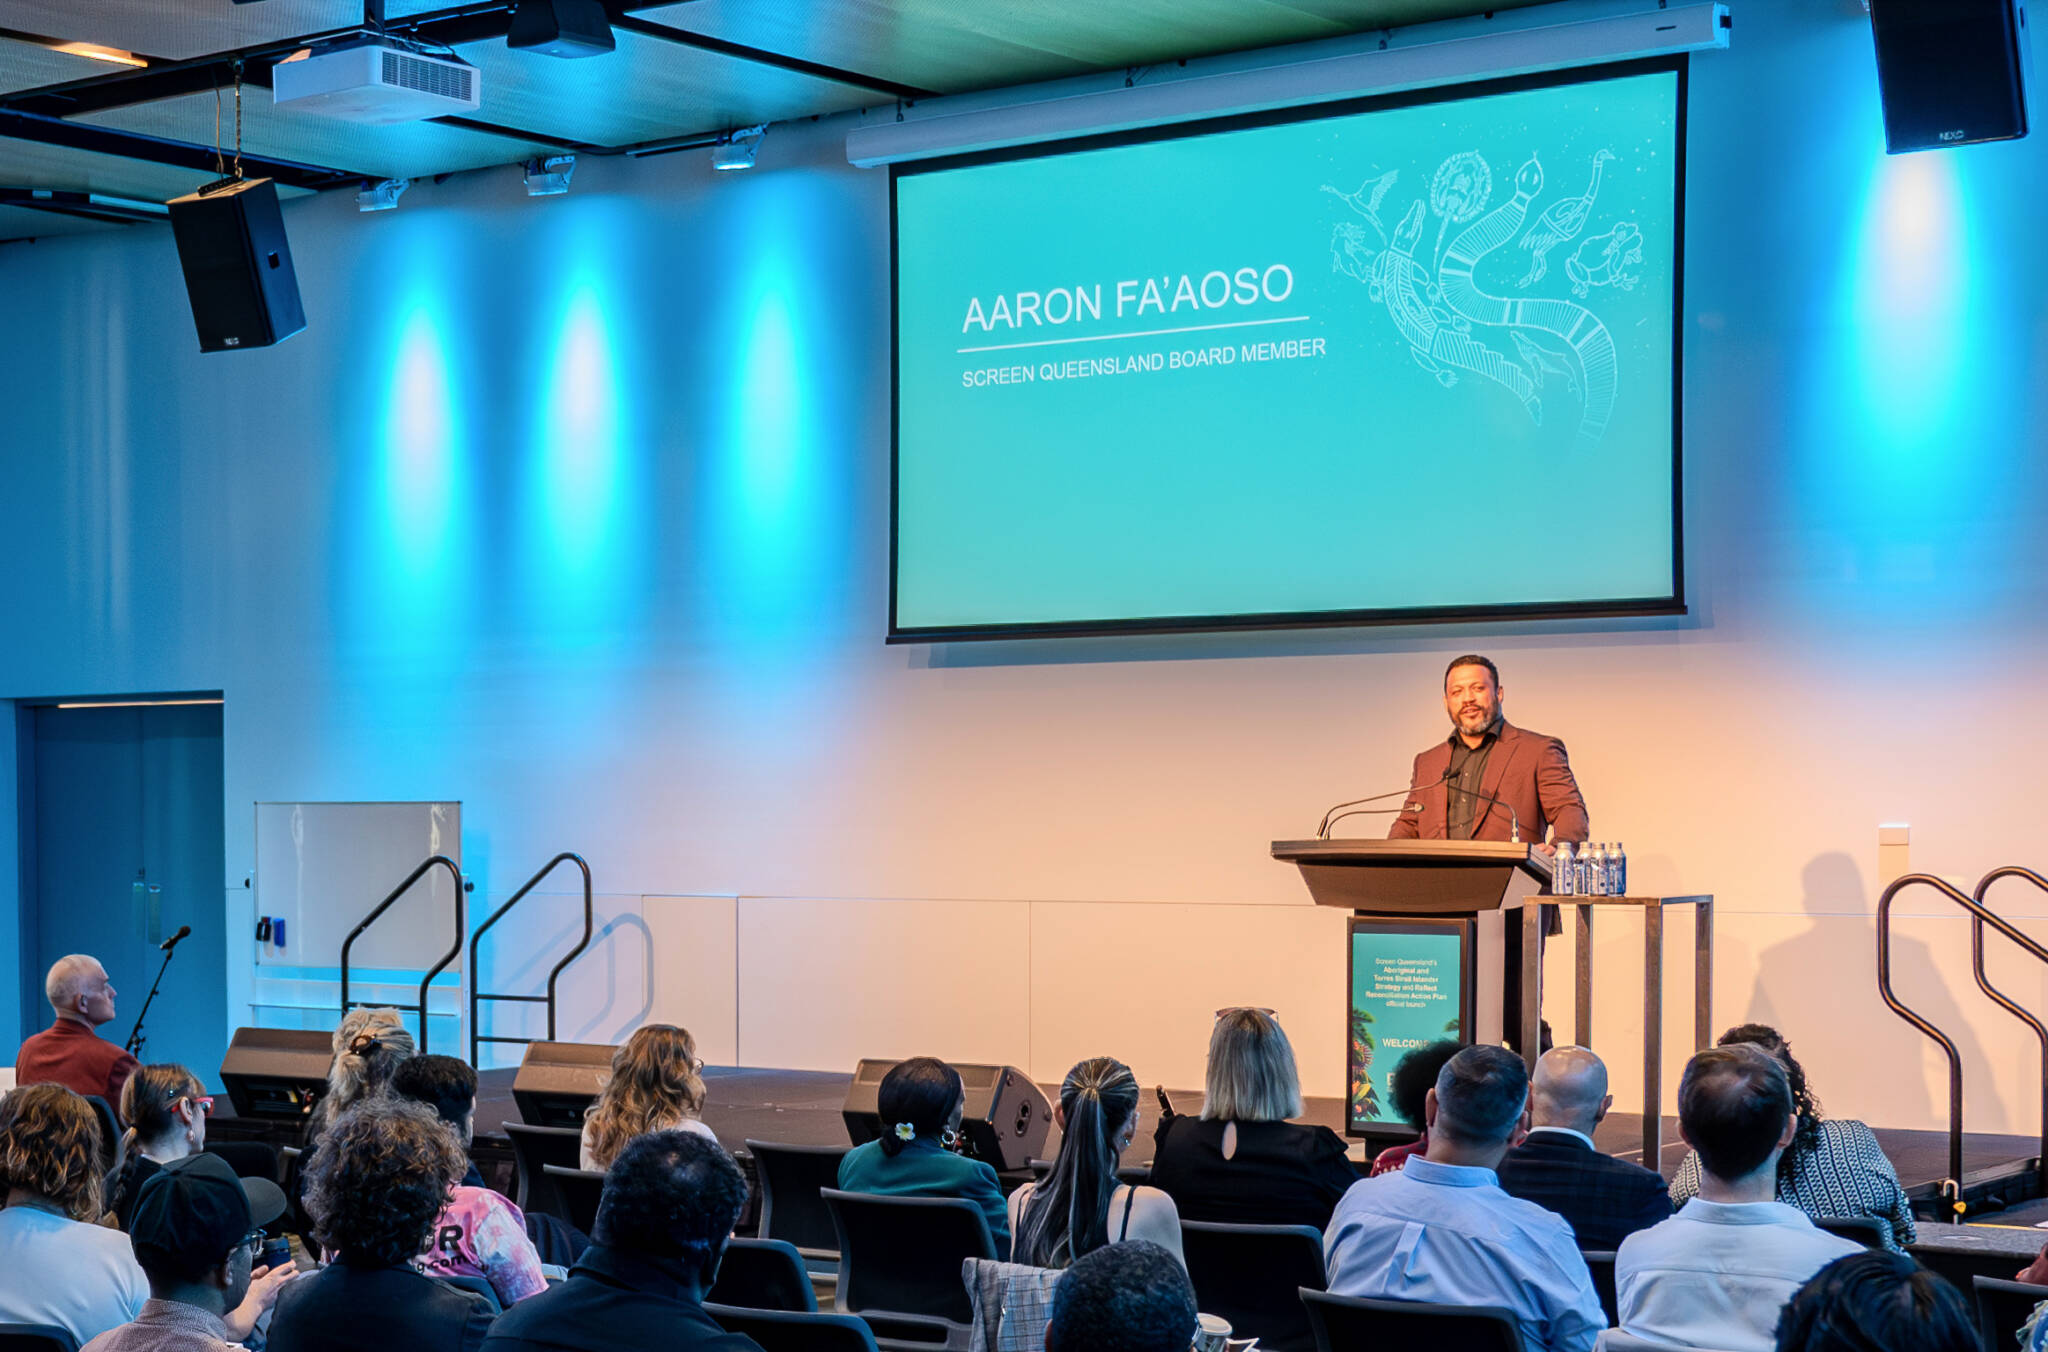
(73, 1055)
(615, 1300)
(348, 1307)
(1468, 771)
(1605, 1199)
(1283, 1173)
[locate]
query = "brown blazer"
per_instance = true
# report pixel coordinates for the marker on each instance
(1525, 770)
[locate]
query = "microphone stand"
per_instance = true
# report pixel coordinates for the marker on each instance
(135, 1038)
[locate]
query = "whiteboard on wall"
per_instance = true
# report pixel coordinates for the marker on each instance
(322, 867)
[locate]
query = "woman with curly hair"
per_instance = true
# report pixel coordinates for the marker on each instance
(656, 1084)
(1834, 1166)
(382, 1175)
(56, 1265)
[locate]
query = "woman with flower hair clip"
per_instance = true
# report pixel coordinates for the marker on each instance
(920, 1102)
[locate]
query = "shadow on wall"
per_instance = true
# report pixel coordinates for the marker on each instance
(604, 995)
(1857, 1040)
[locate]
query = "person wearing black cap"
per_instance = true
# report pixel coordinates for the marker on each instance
(196, 1232)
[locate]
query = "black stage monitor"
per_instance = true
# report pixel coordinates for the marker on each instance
(1005, 1122)
(558, 1080)
(277, 1072)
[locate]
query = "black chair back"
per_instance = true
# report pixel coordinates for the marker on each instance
(110, 1132)
(249, 1159)
(1252, 1275)
(36, 1338)
(1354, 1323)
(1601, 1264)
(479, 1286)
(579, 1191)
(902, 1255)
(533, 1147)
(2002, 1307)
(763, 1274)
(791, 1177)
(1865, 1230)
(790, 1331)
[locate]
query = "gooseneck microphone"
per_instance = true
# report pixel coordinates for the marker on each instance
(1514, 820)
(172, 942)
(1339, 812)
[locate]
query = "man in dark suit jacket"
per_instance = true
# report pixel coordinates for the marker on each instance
(670, 1201)
(1558, 1167)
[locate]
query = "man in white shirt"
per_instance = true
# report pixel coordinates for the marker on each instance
(1718, 1273)
(1441, 1230)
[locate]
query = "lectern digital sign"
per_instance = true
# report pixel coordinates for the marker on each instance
(1411, 985)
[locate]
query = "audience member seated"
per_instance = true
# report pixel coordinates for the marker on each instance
(1558, 1166)
(1123, 1298)
(920, 1102)
(1414, 1076)
(196, 1229)
(1242, 1161)
(479, 1233)
(374, 1188)
(670, 1202)
(1440, 1229)
(1834, 1167)
(368, 1047)
(56, 1265)
(1878, 1302)
(1080, 1206)
(70, 1051)
(166, 1108)
(656, 1084)
(1719, 1272)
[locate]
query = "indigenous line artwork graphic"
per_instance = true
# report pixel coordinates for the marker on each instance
(1454, 326)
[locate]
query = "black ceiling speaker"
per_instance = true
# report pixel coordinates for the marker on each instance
(1951, 72)
(238, 268)
(561, 28)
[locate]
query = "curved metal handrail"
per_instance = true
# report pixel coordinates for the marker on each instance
(475, 994)
(2006, 1003)
(1952, 1186)
(454, 951)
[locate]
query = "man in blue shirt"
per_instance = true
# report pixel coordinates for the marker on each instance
(1441, 1230)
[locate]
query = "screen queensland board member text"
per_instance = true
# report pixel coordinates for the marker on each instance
(1401, 361)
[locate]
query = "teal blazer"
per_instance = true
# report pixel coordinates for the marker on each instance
(924, 1168)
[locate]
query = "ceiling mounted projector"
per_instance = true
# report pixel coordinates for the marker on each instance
(375, 79)
(568, 28)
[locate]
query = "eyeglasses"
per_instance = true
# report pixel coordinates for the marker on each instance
(201, 1104)
(1244, 1009)
(255, 1239)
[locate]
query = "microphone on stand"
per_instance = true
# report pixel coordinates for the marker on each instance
(172, 942)
(1332, 817)
(168, 948)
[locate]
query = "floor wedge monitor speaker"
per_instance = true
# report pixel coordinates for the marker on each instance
(1004, 1124)
(1951, 72)
(558, 1080)
(276, 1072)
(238, 268)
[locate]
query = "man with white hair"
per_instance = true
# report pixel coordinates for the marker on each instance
(1558, 1167)
(71, 1052)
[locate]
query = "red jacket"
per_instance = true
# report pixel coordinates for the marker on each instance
(73, 1055)
(1525, 770)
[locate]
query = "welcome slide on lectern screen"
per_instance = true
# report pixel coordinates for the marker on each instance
(1401, 359)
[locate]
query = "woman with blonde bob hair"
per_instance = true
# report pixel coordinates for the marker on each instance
(656, 1084)
(1242, 1161)
(57, 1266)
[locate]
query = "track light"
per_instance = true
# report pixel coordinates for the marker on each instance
(549, 177)
(738, 150)
(381, 195)
(568, 28)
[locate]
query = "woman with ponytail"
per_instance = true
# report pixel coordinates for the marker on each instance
(920, 1102)
(368, 1046)
(1080, 1206)
(166, 1108)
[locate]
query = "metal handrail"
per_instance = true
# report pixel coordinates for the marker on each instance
(454, 951)
(476, 994)
(1952, 1186)
(2007, 1004)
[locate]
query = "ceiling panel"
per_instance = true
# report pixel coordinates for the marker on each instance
(30, 164)
(24, 65)
(648, 89)
(177, 29)
(21, 223)
(407, 150)
(950, 46)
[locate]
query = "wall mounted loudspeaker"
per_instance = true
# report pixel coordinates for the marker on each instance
(1004, 1124)
(1951, 72)
(238, 268)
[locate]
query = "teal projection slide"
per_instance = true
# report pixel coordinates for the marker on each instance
(1407, 991)
(1411, 359)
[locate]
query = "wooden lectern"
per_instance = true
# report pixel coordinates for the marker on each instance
(1490, 883)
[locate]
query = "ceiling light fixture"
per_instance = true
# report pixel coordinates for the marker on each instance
(381, 195)
(738, 150)
(566, 28)
(549, 177)
(93, 51)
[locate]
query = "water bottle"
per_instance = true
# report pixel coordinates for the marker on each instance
(1594, 866)
(1564, 871)
(1619, 865)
